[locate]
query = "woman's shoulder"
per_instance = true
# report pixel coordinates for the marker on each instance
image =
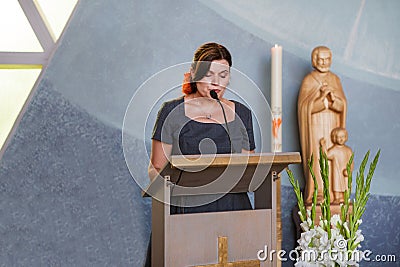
(240, 107)
(171, 104)
(242, 111)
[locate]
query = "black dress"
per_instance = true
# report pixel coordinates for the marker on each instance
(190, 137)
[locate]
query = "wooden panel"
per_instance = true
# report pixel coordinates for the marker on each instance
(220, 180)
(157, 235)
(238, 177)
(223, 257)
(192, 239)
(263, 196)
(160, 214)
(217, 160)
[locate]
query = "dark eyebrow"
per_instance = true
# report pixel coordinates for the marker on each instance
(219, 72)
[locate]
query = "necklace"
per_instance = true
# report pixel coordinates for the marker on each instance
(204, 109)
(208, 114)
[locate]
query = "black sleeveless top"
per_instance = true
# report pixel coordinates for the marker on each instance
(190, 137)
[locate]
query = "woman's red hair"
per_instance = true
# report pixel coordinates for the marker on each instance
(186, 87)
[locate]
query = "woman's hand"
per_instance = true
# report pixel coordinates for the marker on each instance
(248, 151)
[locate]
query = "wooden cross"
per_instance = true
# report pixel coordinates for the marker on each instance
(223, 257)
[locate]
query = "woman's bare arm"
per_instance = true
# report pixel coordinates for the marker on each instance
(160, 154)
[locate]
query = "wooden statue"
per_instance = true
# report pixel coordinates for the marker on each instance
(339, 154)
(321, 107)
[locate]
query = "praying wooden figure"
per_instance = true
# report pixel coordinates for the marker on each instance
(321, 107)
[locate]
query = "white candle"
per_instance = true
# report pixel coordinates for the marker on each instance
(276, 98)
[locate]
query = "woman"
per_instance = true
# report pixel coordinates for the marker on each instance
(197, 124)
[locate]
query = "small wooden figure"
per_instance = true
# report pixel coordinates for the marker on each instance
(339, 154)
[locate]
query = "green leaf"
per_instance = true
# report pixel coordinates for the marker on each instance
(299, 195)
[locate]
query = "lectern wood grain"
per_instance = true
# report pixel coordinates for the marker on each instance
(223, 257)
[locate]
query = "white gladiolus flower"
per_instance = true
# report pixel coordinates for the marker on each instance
(320, 224)
(342, 263)
(334, 233)
(305, 264)
(309, 222)
(305, 226)
(359, 237)
(308, 213)
(324, 241)
(320, 230)
(326, 260)
(356, 256)
(306, 237)
(336, 221)
(340, 243)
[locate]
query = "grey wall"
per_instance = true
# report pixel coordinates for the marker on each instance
(67, 197)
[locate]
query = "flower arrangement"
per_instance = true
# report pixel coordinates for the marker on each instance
(336, 240)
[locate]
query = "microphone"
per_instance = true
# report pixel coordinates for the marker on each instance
(214, 95)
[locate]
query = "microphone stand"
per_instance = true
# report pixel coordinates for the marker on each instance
(214, 95)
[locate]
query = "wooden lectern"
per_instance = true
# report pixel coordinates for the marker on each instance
(233, 238)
